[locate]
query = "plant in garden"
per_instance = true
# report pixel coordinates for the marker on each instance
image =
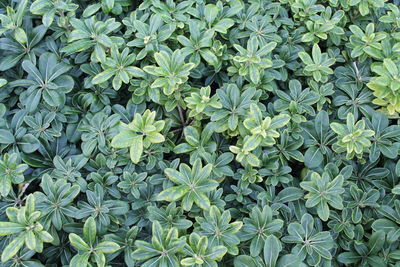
(11, 172)
(200, 133)
(48, 81)
(48, 9)
(235, 106)
(88, 249)
(163, 248)
(55, 203)
(198, 145)
(103, 211)
(217, 226)
(263, 131)
(385, 86)
(23, 223)
(172, 71)
(324, 191)
(138, 134)
(198, 45)
(364, 44)
(200, 102)
(318, 64)
(149, 37)
(192, 185)
(352, 137)
(91, 35)
(258, 227)
(199, 253)
(254, 58)
(311, 244)
(120, 66)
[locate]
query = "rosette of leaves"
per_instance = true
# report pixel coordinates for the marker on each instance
(192, 185)
(385, 86)
(69, 169)
(359, 200)
(318, 64)
(276, 173)
(244, 154)
(260, 27)
(14, 136)
(365, 254)
(133, 182)
(318, 137)
(44, 125)
(217, 226)
(254, 58)
(235, 106)
(258, 227)
(324, 191)
(353, 99)
(172, 13)
(125, 238)
(323, 26)
(297, 102)
(217, 17)
(138, 134)
(49, 9)
(92, 35)
(385, 140)
(162, 250)
(15, 51)
(198, 143)
(11, 172)
(198, 45)
(263, 130)
(221, 165)
(12, 21)
(102, 209)
(200, 102)
(170, 216)
(172, 71)
(56, 202)
(352, 137)
(89, 249)
(47, 81)
(23, 223)
(96, 130)
(324, 91)
(342, 223)
(365, 44)
(120, 66)
(311, 244)
(149, 37)
(198, 252)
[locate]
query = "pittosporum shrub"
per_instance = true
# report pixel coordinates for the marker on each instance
(259, 133)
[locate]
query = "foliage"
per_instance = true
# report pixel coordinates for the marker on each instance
(260, 133)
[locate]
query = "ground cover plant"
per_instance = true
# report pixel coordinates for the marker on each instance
(258, 133)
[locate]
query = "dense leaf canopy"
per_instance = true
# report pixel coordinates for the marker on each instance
(203, 133)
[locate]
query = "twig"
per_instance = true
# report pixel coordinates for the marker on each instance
(181, 115)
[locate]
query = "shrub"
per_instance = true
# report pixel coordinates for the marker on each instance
(259, 133)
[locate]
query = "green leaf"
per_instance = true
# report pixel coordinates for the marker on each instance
(78, 243)
(272, 248)
(89, 230)
(136, 149)
(13, 247)
(107, 247)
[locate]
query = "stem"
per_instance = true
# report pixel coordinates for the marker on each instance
(181, 116)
